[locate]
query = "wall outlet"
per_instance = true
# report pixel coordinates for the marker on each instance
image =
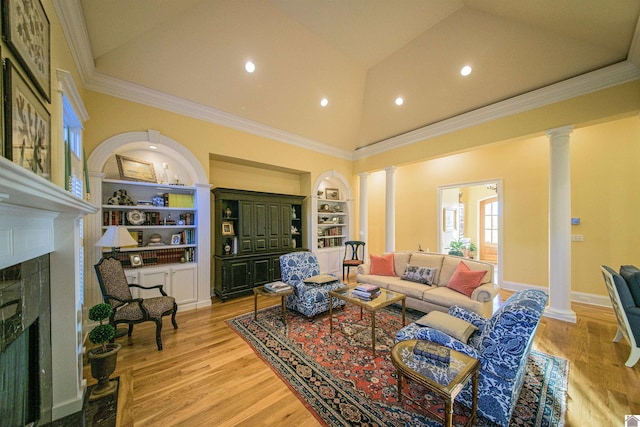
(577, 238)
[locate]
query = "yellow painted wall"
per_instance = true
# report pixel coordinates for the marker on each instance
(604, 182)
(604, 185)
(111, 116)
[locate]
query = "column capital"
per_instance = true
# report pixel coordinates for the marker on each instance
(363, 174)
(390, 169)
(559, 132)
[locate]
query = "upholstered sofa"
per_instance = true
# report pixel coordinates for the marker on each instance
(308, 299)
(437, 295)
(501, 343)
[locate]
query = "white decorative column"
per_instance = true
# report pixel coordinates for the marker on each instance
(560, 226)
(364, 211)
(390, 209)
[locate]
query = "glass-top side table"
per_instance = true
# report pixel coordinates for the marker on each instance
(446, 379)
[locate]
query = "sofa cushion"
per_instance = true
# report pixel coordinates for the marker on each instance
(631, 275)
(464, 280)
(425, 259)
(382, 265)
(410, 289)
(380, 281)
(453, 326)
(400, 261)
(445, 297)
(424, 275)
(450, 264)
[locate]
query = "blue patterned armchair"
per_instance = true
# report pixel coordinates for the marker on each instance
(501, 343)
(309, 300)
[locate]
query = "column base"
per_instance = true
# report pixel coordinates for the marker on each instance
(564, 315)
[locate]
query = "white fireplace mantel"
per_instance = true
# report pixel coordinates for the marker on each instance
(38, 217)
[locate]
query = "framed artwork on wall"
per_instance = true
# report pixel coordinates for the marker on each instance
(332, 194)
(449, 219)
(227, 228)
(135, 170)
(26, 30)
(27, 124)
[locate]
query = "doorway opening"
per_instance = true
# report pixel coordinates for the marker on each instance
(471, 213)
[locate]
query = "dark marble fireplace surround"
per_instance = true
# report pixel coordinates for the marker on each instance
(25, 343)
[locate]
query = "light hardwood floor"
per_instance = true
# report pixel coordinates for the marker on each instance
(208, 376)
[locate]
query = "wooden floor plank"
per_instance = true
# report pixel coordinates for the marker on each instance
(208, 375)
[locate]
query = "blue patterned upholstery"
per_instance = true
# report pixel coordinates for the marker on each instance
(307, 299)
(502, 344)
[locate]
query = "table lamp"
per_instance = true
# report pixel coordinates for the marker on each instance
(115, 237)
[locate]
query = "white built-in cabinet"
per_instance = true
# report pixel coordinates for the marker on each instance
(177, 280)
(168, 212)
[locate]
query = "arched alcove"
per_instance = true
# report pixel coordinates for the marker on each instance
(183, 166)
(330, 256)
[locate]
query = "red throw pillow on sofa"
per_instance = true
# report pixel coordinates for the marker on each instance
(382, 265)
(465, 280)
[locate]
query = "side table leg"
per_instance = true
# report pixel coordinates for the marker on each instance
(283, 306)
(255, 306)
(403, 312)
(373, 332)
(330, 314)
(448, 412)
(399, 387)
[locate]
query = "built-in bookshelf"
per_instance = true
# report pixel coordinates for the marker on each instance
(161, 218)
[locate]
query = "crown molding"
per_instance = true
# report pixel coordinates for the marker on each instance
(142, 95)
(75, 32)
(603, 78)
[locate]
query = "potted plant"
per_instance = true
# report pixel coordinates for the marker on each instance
(459, 248)
(104, 357)
(456, 247)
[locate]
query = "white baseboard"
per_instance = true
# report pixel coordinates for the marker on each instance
(581, 297)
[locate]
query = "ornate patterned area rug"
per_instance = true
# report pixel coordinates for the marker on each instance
(338, 379)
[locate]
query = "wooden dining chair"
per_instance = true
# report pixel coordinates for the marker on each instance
(353, 255)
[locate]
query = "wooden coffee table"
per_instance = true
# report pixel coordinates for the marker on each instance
(385, 299)
(446, 379)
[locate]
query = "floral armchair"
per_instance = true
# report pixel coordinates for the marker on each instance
(308, 299)
(501, 343)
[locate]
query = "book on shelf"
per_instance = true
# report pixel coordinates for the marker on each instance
(277, 287)
(432, 351)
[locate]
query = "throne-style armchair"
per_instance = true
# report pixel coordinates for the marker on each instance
(502, 344)
(128, 310)
(308, 299)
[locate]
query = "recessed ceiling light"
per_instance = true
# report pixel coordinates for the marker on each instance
(466, 70)
(324, 102)
(153, 147)
(250, 67)
(399, 100)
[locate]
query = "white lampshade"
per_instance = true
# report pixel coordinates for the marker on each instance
(116, 236)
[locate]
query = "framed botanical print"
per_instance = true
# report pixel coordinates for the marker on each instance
(27, 124)
(26, 30)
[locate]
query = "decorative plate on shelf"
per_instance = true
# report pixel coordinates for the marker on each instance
(136, 217)
(337, 208)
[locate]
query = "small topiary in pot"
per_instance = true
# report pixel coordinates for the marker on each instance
(103, 333)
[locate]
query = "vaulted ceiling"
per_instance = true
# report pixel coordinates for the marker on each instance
(359, 54)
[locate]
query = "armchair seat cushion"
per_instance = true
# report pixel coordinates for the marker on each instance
(310, 299)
